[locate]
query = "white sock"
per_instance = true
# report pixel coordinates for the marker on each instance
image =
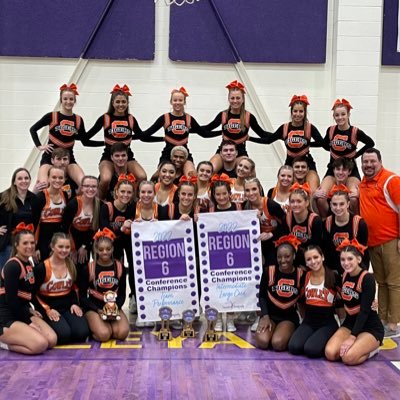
(4, 346)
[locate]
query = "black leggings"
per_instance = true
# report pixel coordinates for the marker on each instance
(311, 341)
(70, 328)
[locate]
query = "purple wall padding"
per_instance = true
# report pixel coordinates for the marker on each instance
(390, 56)
(62, 28)
(273, 31)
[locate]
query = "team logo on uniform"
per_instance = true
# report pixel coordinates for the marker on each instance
(338, 238)
(233, 126)
(117, 223)
(58, 286)
(340, 143)
(119, 129)
(53, 214)
(301, 233)
(29, 276)
(178, 127)
(285, 288)
(106, 280)
(348, 292)
(296, 139)
(82, 223)
(66, 127)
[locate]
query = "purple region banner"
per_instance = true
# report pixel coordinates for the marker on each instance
(165, 268)
(230, 260)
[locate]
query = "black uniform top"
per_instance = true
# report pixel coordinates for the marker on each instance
(232, 173)
(96, 280)
(280, 291)
(232, 128)
(344, 143)
(17, 282)
(70, 188)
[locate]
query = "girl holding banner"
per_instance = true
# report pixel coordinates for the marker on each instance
(204, 173)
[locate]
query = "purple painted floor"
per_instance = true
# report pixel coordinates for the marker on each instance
(144, 368)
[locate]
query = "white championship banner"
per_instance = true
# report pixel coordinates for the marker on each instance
(165, 268)
(230, 260)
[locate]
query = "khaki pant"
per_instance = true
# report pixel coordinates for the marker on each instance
(385, 260)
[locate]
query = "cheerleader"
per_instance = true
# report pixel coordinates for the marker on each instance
(81, 221)
(119, 127)
(185, 208)
(236, 122)
(60, 159)
(100, 276)
(204, 173)
(281, 192)
(342, 225)
(300, 169)
(301, 222)
(321, 289)
(165, 188)
(57, 293)
(362, 331)
(245, 169)
(297, 135)
(341, 141)
(177, 127)
(280, 289)
(49, 209)
(16, 204)
(21, 328)
(229, 156)
(64, 128)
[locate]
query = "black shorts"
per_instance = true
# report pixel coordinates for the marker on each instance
(46, 158)
(373, 326)
(355, 173)
(310, 162)
(294, 318)
(106, 156)
(166, 153)
(241, 149)
(7, 318)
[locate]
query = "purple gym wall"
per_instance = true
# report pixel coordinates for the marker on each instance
(390, 56)
(63, 28)
(273, 31)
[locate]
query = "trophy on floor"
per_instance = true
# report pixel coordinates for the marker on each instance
(188, 318)
(211, 317)
(165, 314)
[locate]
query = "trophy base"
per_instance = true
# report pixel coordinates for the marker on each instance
(188, 333)
(210, 336)
(164, 335)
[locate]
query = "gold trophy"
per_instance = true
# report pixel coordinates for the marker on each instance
(211, 317)
(188, 318)
(165, 314)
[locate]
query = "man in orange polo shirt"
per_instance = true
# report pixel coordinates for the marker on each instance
(380, 208)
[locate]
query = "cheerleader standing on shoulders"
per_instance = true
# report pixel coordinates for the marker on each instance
(297, 135)
(64, 128)
(281, 192)
(246, 168)
(236, 122)
(204, 173)
(119, 127)
(341, 141)
(100, 276)
(165, 187)
(21, 328)
(362, 331)
(321, 289)
(49, 209)
(57, 294)
(280, 289)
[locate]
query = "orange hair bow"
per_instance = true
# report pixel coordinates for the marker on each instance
(306, 188)
(221, 178)
(290, 239)
(187, 179)
(342, 102)
(22, 227)
(236, 85)
(72, 87)
(303, 98)
(338, 188)
(180, 90)
(105, 232)
(127, 177)
(351, 243)
(124, 89)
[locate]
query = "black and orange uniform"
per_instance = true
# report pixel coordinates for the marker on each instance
(297, 141)
(333, 236)
(50, 220)
(231, 173)
(279, 293)
(233, 207)
(272, 193)
(308, 232)
(96, 280)
(176, 133)
(63, 131)
(344, 144)
(233, 129)
(113, 218)
(319, 322)
(358, 294)
(59, 294)
(271, 220)
(171, 196)
(17, 283)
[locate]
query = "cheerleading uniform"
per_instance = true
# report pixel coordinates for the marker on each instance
(272, 194)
